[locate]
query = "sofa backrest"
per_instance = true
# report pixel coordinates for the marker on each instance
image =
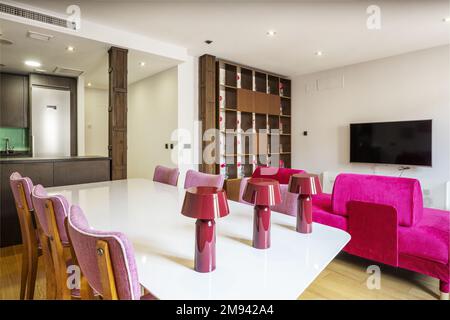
(282, 175)
(404, 194)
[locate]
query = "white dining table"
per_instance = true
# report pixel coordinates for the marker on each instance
(163, 239)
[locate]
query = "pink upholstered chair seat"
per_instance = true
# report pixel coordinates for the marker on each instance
(166, 175)
(429, 238)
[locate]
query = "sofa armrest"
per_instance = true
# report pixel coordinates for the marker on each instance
(374, 231)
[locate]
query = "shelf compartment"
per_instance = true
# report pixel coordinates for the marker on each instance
(230, 98)
(260, 82)
(285, 144)
(230, 120)
(230, 75)
(285, 125)
(285, 107)
(274, 122)
(285, 161)
(285, 87)
(246, 79)
(273, 86)
(249, 143)
(260, 122)
(245, 100)
(246, 121)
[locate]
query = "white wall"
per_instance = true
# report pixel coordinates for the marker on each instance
(152, 117)
(406, 87)
(96, 122)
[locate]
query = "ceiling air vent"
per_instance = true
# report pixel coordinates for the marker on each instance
(67, 72)
(36, 16)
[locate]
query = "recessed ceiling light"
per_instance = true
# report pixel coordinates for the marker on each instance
(319, 53)
(271, 33)
(446, 19)
(32, 63)
(70, 49)
(89, 84)
(142, 64)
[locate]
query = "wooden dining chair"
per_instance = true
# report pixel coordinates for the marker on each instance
(51, 213)
(199, 179)
(106, 260)
(166, 175)
(21, 188)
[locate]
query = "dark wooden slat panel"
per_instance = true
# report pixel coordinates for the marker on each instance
(118, 64)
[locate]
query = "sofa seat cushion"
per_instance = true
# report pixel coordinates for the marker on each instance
(323, 213)
(429, 238)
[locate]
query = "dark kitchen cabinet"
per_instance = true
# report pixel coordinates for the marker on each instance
(49, 173)
(40, 173)
(13, 100)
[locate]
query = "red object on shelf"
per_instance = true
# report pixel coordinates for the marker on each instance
(205, 204)
(306, 185)
(263, 193)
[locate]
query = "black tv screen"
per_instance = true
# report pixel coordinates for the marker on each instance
(403, 142)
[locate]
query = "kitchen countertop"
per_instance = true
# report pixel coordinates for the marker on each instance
(20, 159)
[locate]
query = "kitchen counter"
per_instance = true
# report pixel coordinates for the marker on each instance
(21, 159)
(50, 172)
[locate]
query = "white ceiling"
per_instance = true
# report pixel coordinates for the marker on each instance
(238, 28)
(89, 56)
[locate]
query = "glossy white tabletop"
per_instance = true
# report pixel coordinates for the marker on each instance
(149, 214)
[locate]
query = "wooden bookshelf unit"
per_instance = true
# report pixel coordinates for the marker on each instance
(253, 115)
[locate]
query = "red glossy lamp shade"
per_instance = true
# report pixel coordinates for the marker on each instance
(205, 204)
(305, 184)
(263, 193)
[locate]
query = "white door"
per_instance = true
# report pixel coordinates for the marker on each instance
(50, 122)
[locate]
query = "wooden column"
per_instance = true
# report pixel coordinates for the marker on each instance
(207, 101)
(118, 70)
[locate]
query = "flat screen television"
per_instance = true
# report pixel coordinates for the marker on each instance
(402, 142)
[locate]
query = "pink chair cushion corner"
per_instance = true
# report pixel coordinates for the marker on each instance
(404, 194)
(429, 238)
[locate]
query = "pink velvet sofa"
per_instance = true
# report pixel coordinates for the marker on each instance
(388, 223)
(385, 218)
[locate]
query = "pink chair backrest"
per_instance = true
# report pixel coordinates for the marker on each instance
(166, 175)
(14, 181)
(84, 241)
(282, 175)
(60, 207)
(404, 194)
(199, 179)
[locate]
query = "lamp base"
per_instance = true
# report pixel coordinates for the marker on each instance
(304, 214)
(205, 245)
(261, 227)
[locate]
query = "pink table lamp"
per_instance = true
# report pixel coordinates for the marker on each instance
(205, 204)
(263, 193)
(305, 185)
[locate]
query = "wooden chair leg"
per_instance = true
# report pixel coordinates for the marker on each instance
(31, 281)
(24, 274)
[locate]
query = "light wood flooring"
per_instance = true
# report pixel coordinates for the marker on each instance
(344, 278)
